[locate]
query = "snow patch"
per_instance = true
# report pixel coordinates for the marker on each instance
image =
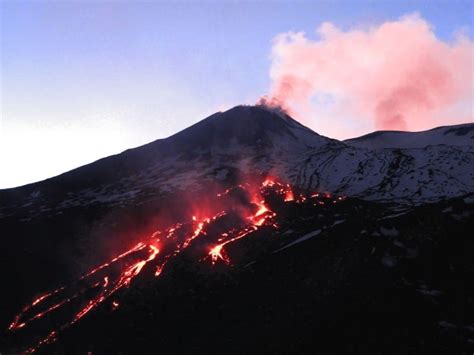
(299, 240)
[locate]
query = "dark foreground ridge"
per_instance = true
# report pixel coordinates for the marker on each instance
(307, 272)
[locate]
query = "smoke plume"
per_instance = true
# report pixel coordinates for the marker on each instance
(396, 76)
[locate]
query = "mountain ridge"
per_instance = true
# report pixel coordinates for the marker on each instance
(177, 137)
(464, 135)
(180, 140)
(253, 140)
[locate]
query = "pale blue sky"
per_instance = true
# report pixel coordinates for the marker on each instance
(85, 79)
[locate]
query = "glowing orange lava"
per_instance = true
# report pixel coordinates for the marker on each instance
(104, 281)
(216, 254)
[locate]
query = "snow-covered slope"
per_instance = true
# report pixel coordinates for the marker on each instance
(404, 175)
(459, 135)
(253, 140)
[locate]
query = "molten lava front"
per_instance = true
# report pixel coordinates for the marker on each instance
(207, 237)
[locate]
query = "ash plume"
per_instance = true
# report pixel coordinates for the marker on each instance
(397, 75)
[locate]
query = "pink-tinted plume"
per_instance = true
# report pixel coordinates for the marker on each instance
(396, 75)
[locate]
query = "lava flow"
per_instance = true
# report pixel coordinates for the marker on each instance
(103, 283)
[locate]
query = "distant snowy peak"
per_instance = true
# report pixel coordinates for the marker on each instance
(458, 135)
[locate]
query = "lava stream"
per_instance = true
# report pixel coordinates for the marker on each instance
(104, 281)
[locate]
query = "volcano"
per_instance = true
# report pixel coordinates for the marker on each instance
(247, 233)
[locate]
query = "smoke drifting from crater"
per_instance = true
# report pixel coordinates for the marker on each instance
(396, 75)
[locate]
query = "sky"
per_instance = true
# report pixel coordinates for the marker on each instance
(81, 80)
